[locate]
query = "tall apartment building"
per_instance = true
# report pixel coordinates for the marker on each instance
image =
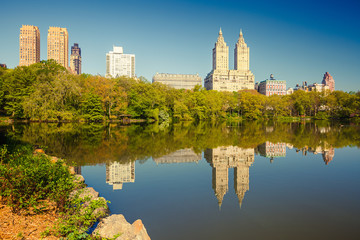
(119, 64)
(178, 81)
(223, 79)
(329, 81)
(58, 45)
(29, 45)
(75, 59)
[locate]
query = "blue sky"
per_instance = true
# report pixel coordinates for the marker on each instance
(294, 40)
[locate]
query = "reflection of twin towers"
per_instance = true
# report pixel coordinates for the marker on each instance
(223, 158)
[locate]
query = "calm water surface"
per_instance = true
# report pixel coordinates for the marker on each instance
(252, 181)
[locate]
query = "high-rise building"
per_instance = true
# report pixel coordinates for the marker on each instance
(221, 54)
(223, 79)
(120, 64)
(328, 80)
(29, 45)
(75, 59)
(178, 81)
(58, 45)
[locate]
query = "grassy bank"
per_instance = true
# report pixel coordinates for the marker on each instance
(33, 184)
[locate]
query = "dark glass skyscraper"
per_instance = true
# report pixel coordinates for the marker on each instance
(75, 59)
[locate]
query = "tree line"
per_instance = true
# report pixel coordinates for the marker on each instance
(46, 91)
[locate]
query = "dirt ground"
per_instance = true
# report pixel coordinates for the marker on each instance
(13, 226)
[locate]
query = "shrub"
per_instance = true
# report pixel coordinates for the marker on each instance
(27, 179)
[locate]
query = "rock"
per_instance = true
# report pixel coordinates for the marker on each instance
(116, 224)
(140, 231)
(79, 178)
(113, 225)
(101, 211)
(85, 192)
(79, 181)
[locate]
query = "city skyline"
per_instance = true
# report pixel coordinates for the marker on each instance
(296, 42)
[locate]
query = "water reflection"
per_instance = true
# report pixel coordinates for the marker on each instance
(272, 150)
(119, 173)
(327, 151)
(84, 144)
(180, 156)
(223, 158)
(190, 189)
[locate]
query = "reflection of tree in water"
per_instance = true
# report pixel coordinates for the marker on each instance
(103, 143)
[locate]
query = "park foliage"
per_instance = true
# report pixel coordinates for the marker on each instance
(33, 184)
(46, 91)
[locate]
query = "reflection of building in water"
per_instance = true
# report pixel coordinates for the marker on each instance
(119, 173)
(223, 158)
(327, 151)
(328, 155)
(179, 156)
(289, 146)
(272, 150)
(77, 169)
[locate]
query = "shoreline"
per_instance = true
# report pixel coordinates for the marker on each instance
(86, 214)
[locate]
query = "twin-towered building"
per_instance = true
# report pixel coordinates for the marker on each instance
(222, 78)
(57, 47)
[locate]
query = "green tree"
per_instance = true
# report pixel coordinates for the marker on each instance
(91, 107)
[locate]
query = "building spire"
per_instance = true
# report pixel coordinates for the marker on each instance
(241, 37)
(221, 38)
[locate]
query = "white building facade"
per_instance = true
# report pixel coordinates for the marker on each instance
(178, 81)
(119, 64)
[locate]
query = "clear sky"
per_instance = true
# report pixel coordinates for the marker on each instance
(294, 40)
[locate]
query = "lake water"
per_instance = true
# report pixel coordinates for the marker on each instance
(218, 181)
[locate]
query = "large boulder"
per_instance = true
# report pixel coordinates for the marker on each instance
(116, 226)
